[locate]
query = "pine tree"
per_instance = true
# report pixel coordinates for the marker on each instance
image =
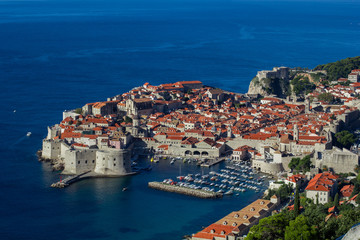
(297, 202)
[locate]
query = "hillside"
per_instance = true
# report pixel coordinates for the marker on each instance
(341, 68)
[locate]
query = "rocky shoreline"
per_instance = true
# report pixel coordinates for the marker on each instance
(56, 164)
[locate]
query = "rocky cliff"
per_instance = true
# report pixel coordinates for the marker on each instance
(266, 87)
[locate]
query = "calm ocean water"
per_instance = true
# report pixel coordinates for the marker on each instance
(57, 55)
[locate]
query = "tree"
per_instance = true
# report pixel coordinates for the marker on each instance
(344, 139)
(300, 229)
(294, 163)
(269, 228)
(300, 164)
(302, 85)
(297, 202)
(357, 199)
(128, 119)
(78, 111)
(346, 221)
(326, 97)
(336, 200)
(340, 69)
(305, 163)
(357, 169)
(317, 199)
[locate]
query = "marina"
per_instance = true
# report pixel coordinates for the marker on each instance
(228, 178)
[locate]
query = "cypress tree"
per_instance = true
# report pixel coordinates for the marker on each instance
(317, 199)
(297, 202)
(336, 200)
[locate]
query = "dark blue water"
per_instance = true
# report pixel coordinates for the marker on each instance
(60, 54)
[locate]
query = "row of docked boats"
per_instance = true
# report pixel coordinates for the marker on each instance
(231, 180)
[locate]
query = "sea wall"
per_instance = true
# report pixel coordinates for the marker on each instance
(183, 190)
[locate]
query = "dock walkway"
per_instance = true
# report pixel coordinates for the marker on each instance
(183, 190)
(212, 162)
(67, 181)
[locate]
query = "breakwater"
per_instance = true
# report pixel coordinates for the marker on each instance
(183, 190)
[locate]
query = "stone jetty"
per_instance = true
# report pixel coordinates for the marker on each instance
(183, 190)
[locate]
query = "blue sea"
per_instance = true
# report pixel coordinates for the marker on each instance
(61, 54)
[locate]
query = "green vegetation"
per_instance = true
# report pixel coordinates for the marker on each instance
(283, 192)
(303, 164)
(340, 69)
(302, 85)
(317, 76)
(299, 228)
(269, 228)
(344, 139)
(256, 81)
(128, 119)
(238, 105)
(297, 202)
(336, 200)
(310, 224)
(326, 97)
(78, 111)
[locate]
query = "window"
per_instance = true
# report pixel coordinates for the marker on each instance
(78, 162)
(93, 161)
(225, 223)
(86, 161)
(236, 215)
(114, 164)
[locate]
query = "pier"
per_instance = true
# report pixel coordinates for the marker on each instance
(212, 162)
(71, 179)
(184, 190)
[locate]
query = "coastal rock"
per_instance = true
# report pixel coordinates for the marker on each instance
(269, 87)
(257, 87)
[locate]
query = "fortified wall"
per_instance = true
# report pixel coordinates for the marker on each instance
(341, 161)
(107, 161)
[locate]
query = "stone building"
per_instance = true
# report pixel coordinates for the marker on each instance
(238, 223)
(321, 187)
(277, 72)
